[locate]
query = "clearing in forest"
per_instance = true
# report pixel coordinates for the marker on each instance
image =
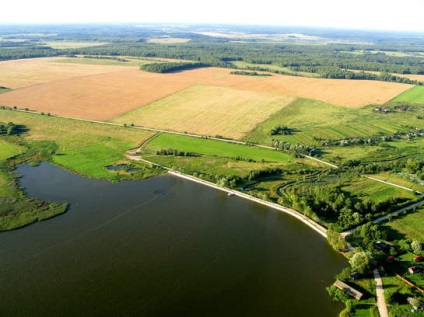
(209, 110)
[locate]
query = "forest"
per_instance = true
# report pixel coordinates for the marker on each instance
(329, 57)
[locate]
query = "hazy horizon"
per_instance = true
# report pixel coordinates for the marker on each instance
(359, 14)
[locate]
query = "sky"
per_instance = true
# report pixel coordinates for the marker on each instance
(403, 15)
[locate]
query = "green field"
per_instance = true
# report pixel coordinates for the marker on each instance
(217, 148)
(8, 150)
(410, 225)
(377, 191)
(413, 95)
(313, 119)
(83, 147)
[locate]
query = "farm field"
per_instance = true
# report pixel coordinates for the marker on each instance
(376, 191)
(409, 225)
(103, 92)
(103, 61)
(207, 110)
(83, 147)
(401, 179)
(413, 95)
(215, 148)
(71, 44)
(26, 72)
(313, 120)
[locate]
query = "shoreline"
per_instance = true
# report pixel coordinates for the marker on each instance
(310, 223)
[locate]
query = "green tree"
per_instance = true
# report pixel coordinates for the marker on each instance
(361, 262)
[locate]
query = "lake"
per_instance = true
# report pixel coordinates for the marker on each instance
(160, 247)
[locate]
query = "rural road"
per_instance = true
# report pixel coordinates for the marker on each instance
(381, 301)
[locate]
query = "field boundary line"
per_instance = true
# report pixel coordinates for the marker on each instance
(392, 184)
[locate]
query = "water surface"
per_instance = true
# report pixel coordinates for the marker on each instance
(160, 247)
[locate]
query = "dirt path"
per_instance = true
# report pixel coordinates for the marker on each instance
(381, 301)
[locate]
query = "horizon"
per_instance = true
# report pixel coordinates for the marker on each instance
(371, 15)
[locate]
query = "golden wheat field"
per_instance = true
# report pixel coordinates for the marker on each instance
(209, 110)
(103, 92)
(26, 72)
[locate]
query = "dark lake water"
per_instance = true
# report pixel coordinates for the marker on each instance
(160, 247)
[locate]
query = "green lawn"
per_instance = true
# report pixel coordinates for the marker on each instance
(8, 150)
(413, 95)
(217, 148)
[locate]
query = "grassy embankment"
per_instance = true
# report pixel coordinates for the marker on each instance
(81, 147)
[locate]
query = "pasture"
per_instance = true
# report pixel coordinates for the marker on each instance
(8, 150)
(207, 110)
(83, 147)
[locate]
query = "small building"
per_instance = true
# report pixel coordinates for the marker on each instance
(348, 289)
(418, 258)
(413, 269)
